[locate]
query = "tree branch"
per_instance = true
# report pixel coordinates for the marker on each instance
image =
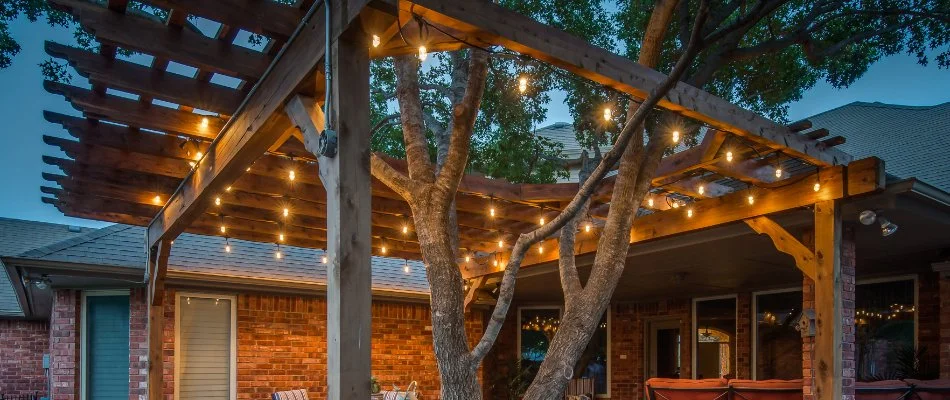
(410, 106)
(389, 176)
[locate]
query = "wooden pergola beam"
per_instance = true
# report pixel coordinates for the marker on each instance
(492, 23)
(268, 18)
(158, 265)
(148, 82)
(786, 243)
(149, 36)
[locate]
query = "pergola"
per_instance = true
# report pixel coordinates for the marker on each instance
(239, 162)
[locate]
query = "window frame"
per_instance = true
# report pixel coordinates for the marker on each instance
(560, 313)
(755, 325)
(232, 369)
(84, 336)
(694, 339)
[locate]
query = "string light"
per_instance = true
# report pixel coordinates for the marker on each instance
(468, 258)
(292, 175)
(587, 227)
(650, 202)
(494, 262)
(523, 84)
(277, 254)
(376, 41)
(778, 165)
(676, 136)
(541, 247)
(248, 169)
(223, 229)
(676, 204)
(405, 267)
(405, 226)
(729, 156)
(324, 258)
(701, 190)
(204, 122)
(227, 189)
(423, 54)
(198, 156)
(778, 172)
(751, 199)
(192, 163)
(817, 186)
(607, 113)
(280, 237)
(217, 201)
(383, 250)
(491, 207)
(689, 212)
(157, 200)
(501, 243)
(286, 212)
(227, 245)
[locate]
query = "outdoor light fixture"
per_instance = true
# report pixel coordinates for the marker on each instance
(607, 113)
(423, 54)
(728, 156)
(869, 217)
(376, 41)
(676, 136)
(41, 283)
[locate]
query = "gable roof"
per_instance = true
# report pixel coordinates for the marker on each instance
(123, 246)
(913, 141)
(17, 236)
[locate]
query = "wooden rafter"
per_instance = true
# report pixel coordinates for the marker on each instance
(786, 243)
(268, 18)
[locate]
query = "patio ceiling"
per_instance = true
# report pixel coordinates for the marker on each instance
(130, 155)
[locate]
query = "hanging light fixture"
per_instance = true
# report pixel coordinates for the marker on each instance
(729, 156)
(587, 227)
(541, 247)
(468, 258)
(405, 267)
(523, 84)
(701, 190)
(676, 136)
(817, 186)
(227, 189)
(157, 200)
(280, 237)
(650, 202)
(376, 41)
(607, 113)
(227, 245)
(204, 123)
(286, 212)
(491, 206)
(751, 199)
(217, 201)
(277, 254)
(324, 258)
(423, 53)
(292, 175)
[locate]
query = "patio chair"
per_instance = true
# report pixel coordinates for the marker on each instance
(772, 389)
(937, 389)
(687, 389)
(299, 394)
(580, 387)
(882, 390)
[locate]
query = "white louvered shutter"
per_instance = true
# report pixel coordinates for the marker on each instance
(205, 349)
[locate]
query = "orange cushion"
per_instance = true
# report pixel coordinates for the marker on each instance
(686, 389)
(778, 384)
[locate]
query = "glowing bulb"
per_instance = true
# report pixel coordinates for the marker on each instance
(676, 204)
(217, 201)
(292, 175)
(778, 172)
(587, 227)
(751, 199)
(280, 237)
(494, 263)
(157, 200)
(376, 41)
(286, 212)
(468, 258)
(607, 113)
(491, 212)
(676, 136)
(323, 259)
(278, 255)
(541, 248)
(198, 156)
(423, 53)
(204, 122)
(223, 229)
(541, 221)
(405, 268)
(501, 243)
(817, 186)
(689, 213)
(405, 229)
(227, 248)
(384, 249)
(227, 189)
(192, 163)
(650, 202)
(728, 156)
(248, 169)
(701, 190)
(523, 84)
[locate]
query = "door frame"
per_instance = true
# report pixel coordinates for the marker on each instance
(694, 339)
(649, 339)
(84, 337)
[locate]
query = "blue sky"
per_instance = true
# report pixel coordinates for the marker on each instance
(896, 80)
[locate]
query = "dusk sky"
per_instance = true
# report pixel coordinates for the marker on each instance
(895, 80)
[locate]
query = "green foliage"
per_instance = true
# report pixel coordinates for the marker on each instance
(55, 71)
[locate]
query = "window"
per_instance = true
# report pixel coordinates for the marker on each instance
(538, 326)
(205, 347)
(714, 354)
(105, 351)
(778, 345)
(885, 314)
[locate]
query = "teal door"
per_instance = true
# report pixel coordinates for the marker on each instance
(107, 347)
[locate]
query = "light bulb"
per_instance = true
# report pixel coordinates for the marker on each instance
(198, 156)
(650, 202)
(280, 237)
(701, 190)
(541, 221)
(192, 163)
(223, 229)
(491, 212)
(248, 169)
(227, 189)
(523, 84)
(376, 41)
(676, 204)
(292, 175)
(227, 248)
(729, 156)
(423, 53)
(778, 172)
(286, 212)
(405, 268)
(817, 186)
(751, 199)
(323, 259)
(468, 258)
(587, 227)
(541, 248)
(676, 136)
(501, 243)
(157, 200)
(689, 213)
(278, 255)
(217, 201)
(607, 113)
(405, 229)
(494, 263)
(204, 122)
(383, 249)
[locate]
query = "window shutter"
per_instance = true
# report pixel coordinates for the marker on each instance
(204, 335)
(107, 354)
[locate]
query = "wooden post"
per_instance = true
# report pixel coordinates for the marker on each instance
(158, 266)
(347, 179)
(828, 363)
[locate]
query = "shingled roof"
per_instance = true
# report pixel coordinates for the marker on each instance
(17, 236)
(913, 141)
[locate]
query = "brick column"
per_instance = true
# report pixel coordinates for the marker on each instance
(22, 345)
(944, 349)
(848, 262)
(64, 345)
(744, 336)
(138, 344)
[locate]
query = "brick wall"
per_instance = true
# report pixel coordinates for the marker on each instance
(138, 344)
(744, 336)
(928, 318)
(282, 345)
(64, 344)
(22, 345)
(627, 339)
(944, 349)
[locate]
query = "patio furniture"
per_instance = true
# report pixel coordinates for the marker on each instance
(687, 389)
(298, 394)
(930, 390)
(882, 390)
(580, 387)
(395, 394)
(773, 389)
